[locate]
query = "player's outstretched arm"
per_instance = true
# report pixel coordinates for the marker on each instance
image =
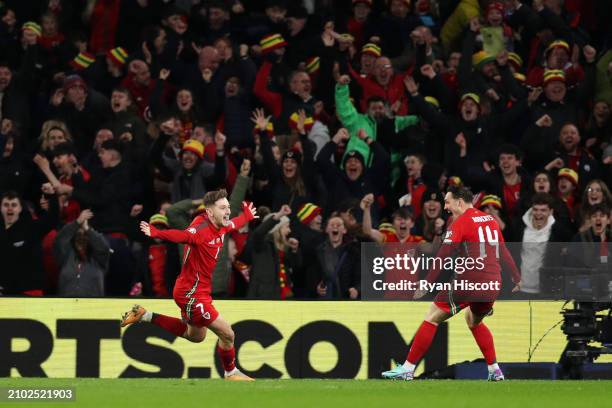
(177, 236)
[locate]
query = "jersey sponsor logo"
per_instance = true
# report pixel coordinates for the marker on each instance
(191, 230)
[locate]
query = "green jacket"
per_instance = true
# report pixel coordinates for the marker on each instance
(179, 217)
(353, 121)
(603, 79)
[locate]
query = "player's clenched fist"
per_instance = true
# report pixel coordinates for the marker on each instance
(344, 80)
(284, 210)
(367, 201)
(293, 244)
(245, 168)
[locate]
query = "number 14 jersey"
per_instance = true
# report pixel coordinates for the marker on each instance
(476, 235)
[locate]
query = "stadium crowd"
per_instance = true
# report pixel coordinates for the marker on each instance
(343, 121)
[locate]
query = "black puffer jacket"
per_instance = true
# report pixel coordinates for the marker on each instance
(540, 143)
(21, 250)
(482, 135)
(264, 280)
(340, 188)
(282, 192)
(110, 199)
(14, 174)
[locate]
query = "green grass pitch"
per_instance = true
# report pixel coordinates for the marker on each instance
(149, 393)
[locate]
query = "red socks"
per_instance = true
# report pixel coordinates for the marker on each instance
(426, 332)
(171, 324)
(421, 342)
(177, 327)
(484, 338)
(228, 358)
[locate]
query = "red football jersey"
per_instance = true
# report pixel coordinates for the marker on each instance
(203, 244)
(476, 234)
(512, 194)
(391, 237)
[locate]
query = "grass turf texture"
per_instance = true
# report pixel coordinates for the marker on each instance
(149, 393)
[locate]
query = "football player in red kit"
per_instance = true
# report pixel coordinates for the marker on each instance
(203, 241)
(480, 237)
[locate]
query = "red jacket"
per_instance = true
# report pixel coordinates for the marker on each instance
(140, 93)
(157, 266)
(394, 91)
(104, 21)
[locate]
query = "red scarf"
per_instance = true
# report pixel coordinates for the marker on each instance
(48, 42)
(104, 21)
(285, 285)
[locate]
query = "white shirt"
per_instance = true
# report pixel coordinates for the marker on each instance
(532, 252)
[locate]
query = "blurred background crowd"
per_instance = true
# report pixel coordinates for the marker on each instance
(344, 121)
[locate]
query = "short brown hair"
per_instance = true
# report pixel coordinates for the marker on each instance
(461, 193)
(403, 212)
(542, 199)
(212, 197)
(601, 207)
(10, 195)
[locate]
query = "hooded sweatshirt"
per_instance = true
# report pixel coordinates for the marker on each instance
(533, 252)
